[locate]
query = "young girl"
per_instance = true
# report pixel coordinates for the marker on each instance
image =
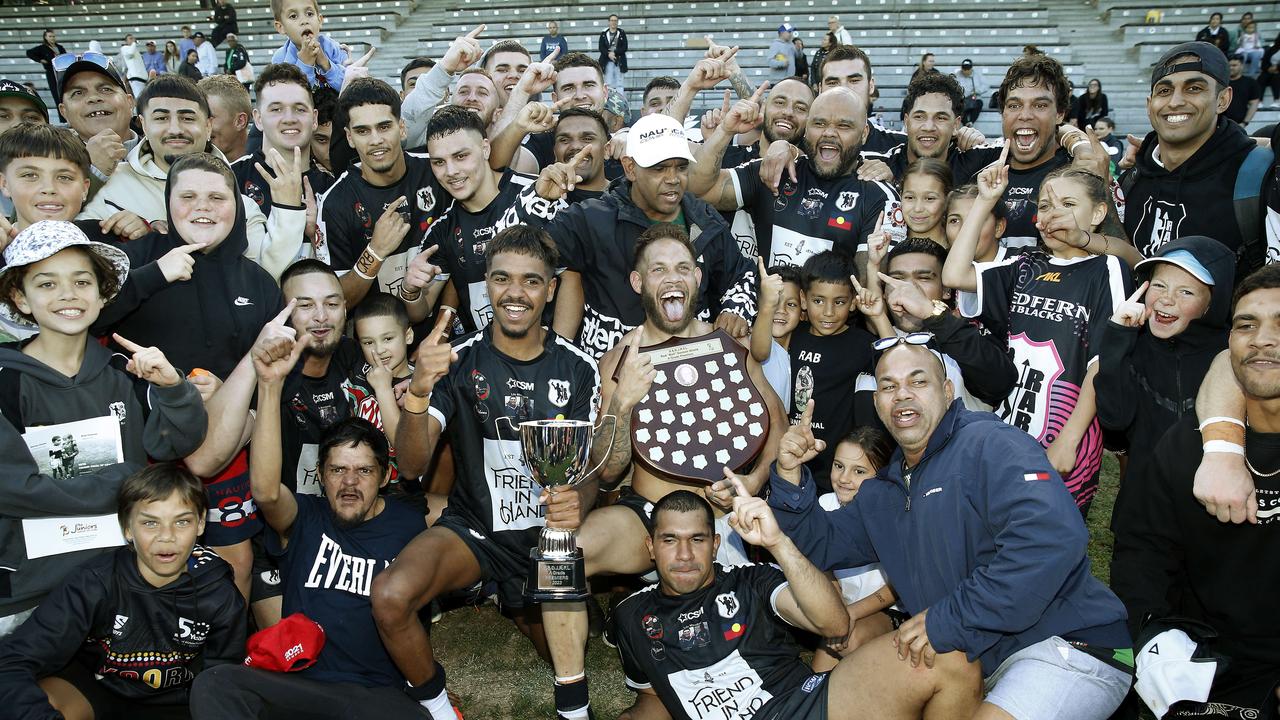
(62, 384)
(867, 596)
(1050, 303)
(924, 190)
(126, 633)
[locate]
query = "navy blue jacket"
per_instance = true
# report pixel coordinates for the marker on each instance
(987, 539)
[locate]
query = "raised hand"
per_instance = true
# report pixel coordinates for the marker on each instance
(711, 71)
(905, 298)
(1059, 223)
(285, 178)
(463, 52)
(711, 118)
(877, 244)
(870, 301)
(149, 364)
(745, 115)
(798, 446)
(770, 285)
(539, 75)
(1091, 155)
(278, 347)
(752, 517)
(635, 376)
(558, 179)
(993, 179)
(313, 212)
(390, 230)
(1133, 313)
(106, 150)
(719, 52)
(434, 356)
(421, 271)
(1132, 145)
(357, 69)
(379, 375)
(177, 264)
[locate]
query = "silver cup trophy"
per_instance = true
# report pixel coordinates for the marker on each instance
(558, 455)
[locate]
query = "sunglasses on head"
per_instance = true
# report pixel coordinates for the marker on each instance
(915, 338)
(65, 60)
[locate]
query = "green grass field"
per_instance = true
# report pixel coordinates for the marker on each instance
(496, 674)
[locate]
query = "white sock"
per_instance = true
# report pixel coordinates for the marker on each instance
(439, 707)
(578, 714)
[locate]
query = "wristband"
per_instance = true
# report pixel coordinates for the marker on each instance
(410, 297)
(1220, 418)
(374, 254)
(356, 270)
(1072, 150)
(1222, 446)
(418, 404)
(365, 264)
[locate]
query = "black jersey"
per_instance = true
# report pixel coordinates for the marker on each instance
(1021, 195)
(352, 205)
(309, 405)
(256, 188)
(882, 140)
(720, 653)
(494, 493)
(463, 235)
(1052, 311)
(811, 215)
(964, 165)
(830, 370)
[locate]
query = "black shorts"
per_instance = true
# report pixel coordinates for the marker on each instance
(499, 563)
(265, 581)
(640, 505)
(108, 705)
(807, 702)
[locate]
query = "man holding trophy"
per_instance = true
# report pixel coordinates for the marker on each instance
(689, 402)
(481, 390)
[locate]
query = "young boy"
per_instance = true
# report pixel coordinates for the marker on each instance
(61, 383)
(319, 58)
(830, 361)
(778, 317)
(382, 330)
(126, 633)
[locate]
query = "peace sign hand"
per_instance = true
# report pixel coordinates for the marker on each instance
(149, 364)
(1133, 313)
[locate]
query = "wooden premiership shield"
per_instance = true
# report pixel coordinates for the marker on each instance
(703, 412)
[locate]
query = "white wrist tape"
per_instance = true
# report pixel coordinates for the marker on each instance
(1222, 446)
(1221, 418)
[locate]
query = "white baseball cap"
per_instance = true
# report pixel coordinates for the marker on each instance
(1169, 672)
(655, 138)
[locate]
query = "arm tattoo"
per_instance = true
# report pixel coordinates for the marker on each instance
(619, 453)
(741, 85)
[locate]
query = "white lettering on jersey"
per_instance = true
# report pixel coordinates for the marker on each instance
(481, 309)
(727, 690)
(792, 248)
(336, 570)
(308, 477)
(1039, 367)
(513, 494)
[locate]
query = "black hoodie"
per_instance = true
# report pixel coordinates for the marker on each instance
(146, 644)
(209, 321)
(1196, 199)
(1144, 384)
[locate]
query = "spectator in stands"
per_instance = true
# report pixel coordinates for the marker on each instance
(815, 67)
(236, 62)
(153, 60)
(1215, 34)
(44, 53)
(1091, 105)
(925, 67)
(191, 68)
(186, 43)
(1185, 570)
(229, 113)
(658, 95)
(172, 59)
(1031, 51)
(175, 120)
(613, 54)
(1249, 46)
(975, 88)
(1186, 172)
(19, 106)
(802, 63)
(842, 36)
(98, 106)
(224, 21)
(321, 59)
(552, 40)
(130, 61)
(1246, 93)
(1103, 127)
(208, 63)
(1245, 19)
(782, 54)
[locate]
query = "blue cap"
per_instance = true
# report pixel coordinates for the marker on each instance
(1183, 259)
(786, 27)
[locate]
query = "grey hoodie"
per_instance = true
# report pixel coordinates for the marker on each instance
(160, 423)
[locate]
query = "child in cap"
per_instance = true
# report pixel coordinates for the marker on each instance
(63, 384)
(127, 632)
(320, 58)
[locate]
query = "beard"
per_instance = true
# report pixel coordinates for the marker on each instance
(323, 350)
(849, 158)
(653, 311)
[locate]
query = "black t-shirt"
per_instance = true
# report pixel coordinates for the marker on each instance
(543, 148)
(720, 652)
(256, 188)
(352, 205)
(328, 570)
(1020, 197)
(463, 235)
(1244, 90)
(494, 493)
(883, 141)
(811, 215)
(309, 405)
(830, 370)
(964, 165)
